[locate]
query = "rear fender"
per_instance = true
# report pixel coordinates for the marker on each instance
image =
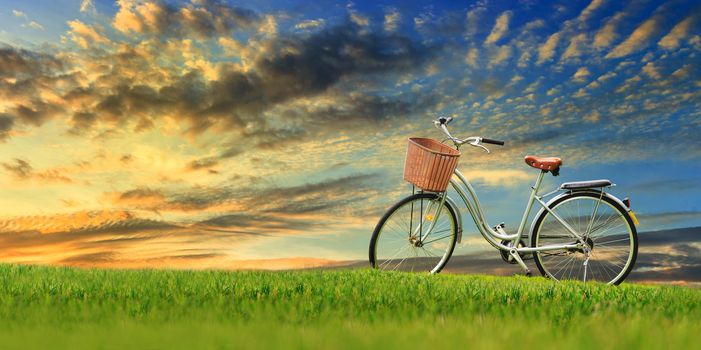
(552, 200)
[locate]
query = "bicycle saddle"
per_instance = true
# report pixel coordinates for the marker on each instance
(544, 163)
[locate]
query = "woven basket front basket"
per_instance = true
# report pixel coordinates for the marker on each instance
(429, 164)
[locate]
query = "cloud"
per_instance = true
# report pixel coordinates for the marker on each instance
(359, 19)
(137, 85)
(140, 198)
(581, 74)
(639, 39)
(355, 111)
(310, 24)
(500, 28)
(88, 6)
(268, 26)
(19, 168)
(123, 239)
(87, 222)
(19, 14)
(299, 199)
(587, 12)
(294, 66)
(35, 25)
(573, 30)
(313, 63)
(209, 162)
(499, 177)
(547, 50)
(680, 31)
(255, 223)
(674, 185)
(651, 71)
(24, 75)
(593, 117)
(471, 57)
(449, 25)
(320, 196)
(22, 170)
(85, 35)
(6, 123)
(203, 163)
(392, 18)
(473, 18)
(201, 19)
(607, 34)
(82, 121)
(524, 59)
(670, 236)
(501, 55)
(575, 47)
(31, 24)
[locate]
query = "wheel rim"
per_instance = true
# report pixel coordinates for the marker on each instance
(610, 237)
(403, 244)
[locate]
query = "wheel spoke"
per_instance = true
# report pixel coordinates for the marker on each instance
(611, 238)
(397, 245)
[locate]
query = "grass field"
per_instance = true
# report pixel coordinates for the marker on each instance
(51, 307)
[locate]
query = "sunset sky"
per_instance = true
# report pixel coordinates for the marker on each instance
(163, 133)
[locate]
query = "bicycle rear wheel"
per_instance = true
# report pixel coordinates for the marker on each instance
(606, 227)
(402, 241)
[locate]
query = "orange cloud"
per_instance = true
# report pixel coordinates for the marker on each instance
(638, 39)
(84, 35)
(83, 220)
(22, 170)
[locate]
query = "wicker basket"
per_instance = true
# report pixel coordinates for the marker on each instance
(429, 164)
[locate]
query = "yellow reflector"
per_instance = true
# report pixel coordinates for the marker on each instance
(632, 216)
(429, 217)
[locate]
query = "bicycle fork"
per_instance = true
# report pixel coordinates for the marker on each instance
(433, 218)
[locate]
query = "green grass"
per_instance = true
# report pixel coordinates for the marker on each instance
(47, 307)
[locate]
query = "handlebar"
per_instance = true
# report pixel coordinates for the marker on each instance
(493, 142)
(475, 141)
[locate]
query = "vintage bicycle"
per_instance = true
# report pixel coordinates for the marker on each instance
(582, 232)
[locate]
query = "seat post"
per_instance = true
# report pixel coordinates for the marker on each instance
(531, 199)
(538, 182)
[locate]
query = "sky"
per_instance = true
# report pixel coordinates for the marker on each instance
(272, 133)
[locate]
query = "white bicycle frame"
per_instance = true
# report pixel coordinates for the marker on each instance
(469, 197)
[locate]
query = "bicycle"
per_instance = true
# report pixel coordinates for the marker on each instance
(583, 233)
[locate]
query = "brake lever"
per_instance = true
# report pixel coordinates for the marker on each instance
(477, 144)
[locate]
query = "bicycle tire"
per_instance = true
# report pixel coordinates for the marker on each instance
(615, 207)
(383, 223)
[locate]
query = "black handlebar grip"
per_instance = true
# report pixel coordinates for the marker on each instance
(493, 142)
(445, 120)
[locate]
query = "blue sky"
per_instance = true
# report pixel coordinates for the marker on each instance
(286, 121)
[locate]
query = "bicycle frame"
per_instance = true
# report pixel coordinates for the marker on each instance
(469, 197)
(466, 193)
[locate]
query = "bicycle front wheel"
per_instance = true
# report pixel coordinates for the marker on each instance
(607, 229)
(402, 240)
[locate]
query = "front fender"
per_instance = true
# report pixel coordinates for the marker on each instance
(451, 202)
